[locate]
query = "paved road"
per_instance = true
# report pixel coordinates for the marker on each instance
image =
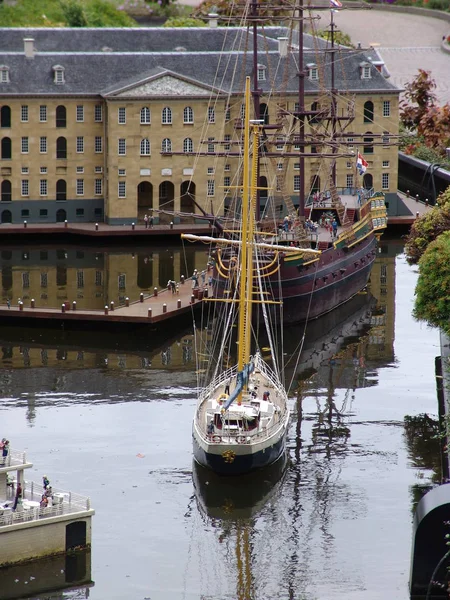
(406, 43)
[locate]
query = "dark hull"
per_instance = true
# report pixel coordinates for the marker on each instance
(242, 463)
(307, 292)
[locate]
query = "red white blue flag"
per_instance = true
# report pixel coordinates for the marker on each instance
(335, 4)
(361, 164)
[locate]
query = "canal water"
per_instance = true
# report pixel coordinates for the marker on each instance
(110, 417)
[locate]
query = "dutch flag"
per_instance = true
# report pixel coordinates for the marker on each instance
(335, 4)
(361, 164)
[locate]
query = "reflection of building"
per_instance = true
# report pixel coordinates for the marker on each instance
(92, 278)
(106, 124)
(382, 286)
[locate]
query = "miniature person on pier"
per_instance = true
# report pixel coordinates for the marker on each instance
(18, 497)
(146, 221)
(45, 482)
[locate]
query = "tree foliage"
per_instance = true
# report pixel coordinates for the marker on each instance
(226, 9)
(419, 97)
(432, 297)
(428, 227)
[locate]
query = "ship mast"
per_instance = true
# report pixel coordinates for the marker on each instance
(301, 113)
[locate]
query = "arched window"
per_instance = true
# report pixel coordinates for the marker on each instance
(188, 145)
(61, 215)
(166, 117)
(145, 147)
(61, 147)
(6, 191)
(145, 115)
(314, 108)
(368, 141)
(6, 216)
(5, 116)
(6, 148)
(368, 112)
(61, 190)
(264, 113)
(61, 118)
(166, 145)
(188, 115)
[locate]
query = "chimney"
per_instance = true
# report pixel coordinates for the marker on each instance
(213, 19)
(28, 44)
(283, 46)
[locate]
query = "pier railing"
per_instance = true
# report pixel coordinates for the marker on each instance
(61, 503)
(14, 457)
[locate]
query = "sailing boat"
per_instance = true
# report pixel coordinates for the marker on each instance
(241, 420)
(343, 224)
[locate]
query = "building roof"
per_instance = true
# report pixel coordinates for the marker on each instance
(113, 60)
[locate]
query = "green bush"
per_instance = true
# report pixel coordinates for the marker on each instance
(438, 4)
(73, 13)
(184, 22)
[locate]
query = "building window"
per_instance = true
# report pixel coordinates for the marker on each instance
(349, 164)
(25, 145)
(368, 112)
(24, 114)
(313, 72)
(98, 169)
(44, 280)
(121, 281)
(242, 111)
(280, 166)
(80, 187)
(211, 146)
(61, 116)
(80, 113)
(227, 167)
(385, 163)
(166, 145)
(145, 147)
(350, 142)
(297, 145)
(25, 170)
(98, 278)
(4, 74)
(227, 113)
(280, 143)
(25, 187)
(122, 146)
(368, 144)
(80, 144)
(188, 115)
(98, 144)
(261, 74)
(26, 279)
(122, 189)
(365, 72)
(98, 187)
(386, 108)
(211, 187)
(210, 170)
(297, 166)
(385, 181)
(43, 170)
(122, 172)
(43, 213)
(98, 113)
(145, 115)
(80, 279)
(226, 183)
(79, 213)
(211, 114)
(296, 183)
(43, 187)
(188, 146)
(58, 72)
(61, 147)
(385, 138)
(227, 145)
(80, 169)
(43, 145)
(122, 115)
(43, 113)
(166, 116)
(349, 180)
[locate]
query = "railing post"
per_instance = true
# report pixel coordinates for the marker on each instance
(32, 303)
(63, 307)
(106, 309)
(141, 297)
(164, 308)
(155, 291)
(149, 313)
(21, 305)
(25, 224)
(179, 303)
(182, 279)
(74, 305)
(127, 301)
(112, 305)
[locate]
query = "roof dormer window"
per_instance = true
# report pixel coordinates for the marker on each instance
(261, 73)
(58, 74)
(4, 74)
(313, 72)
(365, 70)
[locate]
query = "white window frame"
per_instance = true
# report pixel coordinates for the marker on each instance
(188, 146)
(296, 166)
(80, 144)
(25, 145)
(43, 146)
(145, 115)
(80, 169)
(122, 189)
(43, 113)
(166, 146)
(261, 73)
(122, 115)
(384, 181)
(296, 187)
(122, 147)
(79, 187)
(58, 75)
(385, 164)
(4, 74)
(25, 170)
(226, 182)
(43, 170)
(386, 108)
(211, 147)
(211, 188)
(211, 114)
(313, 74)
(98, 169)
(98, 113)
(25, 187)
(227, 167)
(366, 72)
(80, 113)
(122, 172)
(166, 116)
(43, 187)
(98, 144)
(145, 147)
(98, 186)
(227, 144)
(349, 180)
(24, 113)
(188, 115)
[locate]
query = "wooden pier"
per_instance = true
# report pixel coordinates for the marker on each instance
(154, 309)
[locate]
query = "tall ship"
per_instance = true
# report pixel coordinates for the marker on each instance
(341, 224)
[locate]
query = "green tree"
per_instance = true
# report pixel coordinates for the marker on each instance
(432, 291)
(73, 13)
(428, 227)
(418, 98)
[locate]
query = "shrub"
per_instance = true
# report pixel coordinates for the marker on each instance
(184, 22)
(73, 13)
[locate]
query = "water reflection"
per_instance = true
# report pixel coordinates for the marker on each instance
(49, 578)
(92, 277)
